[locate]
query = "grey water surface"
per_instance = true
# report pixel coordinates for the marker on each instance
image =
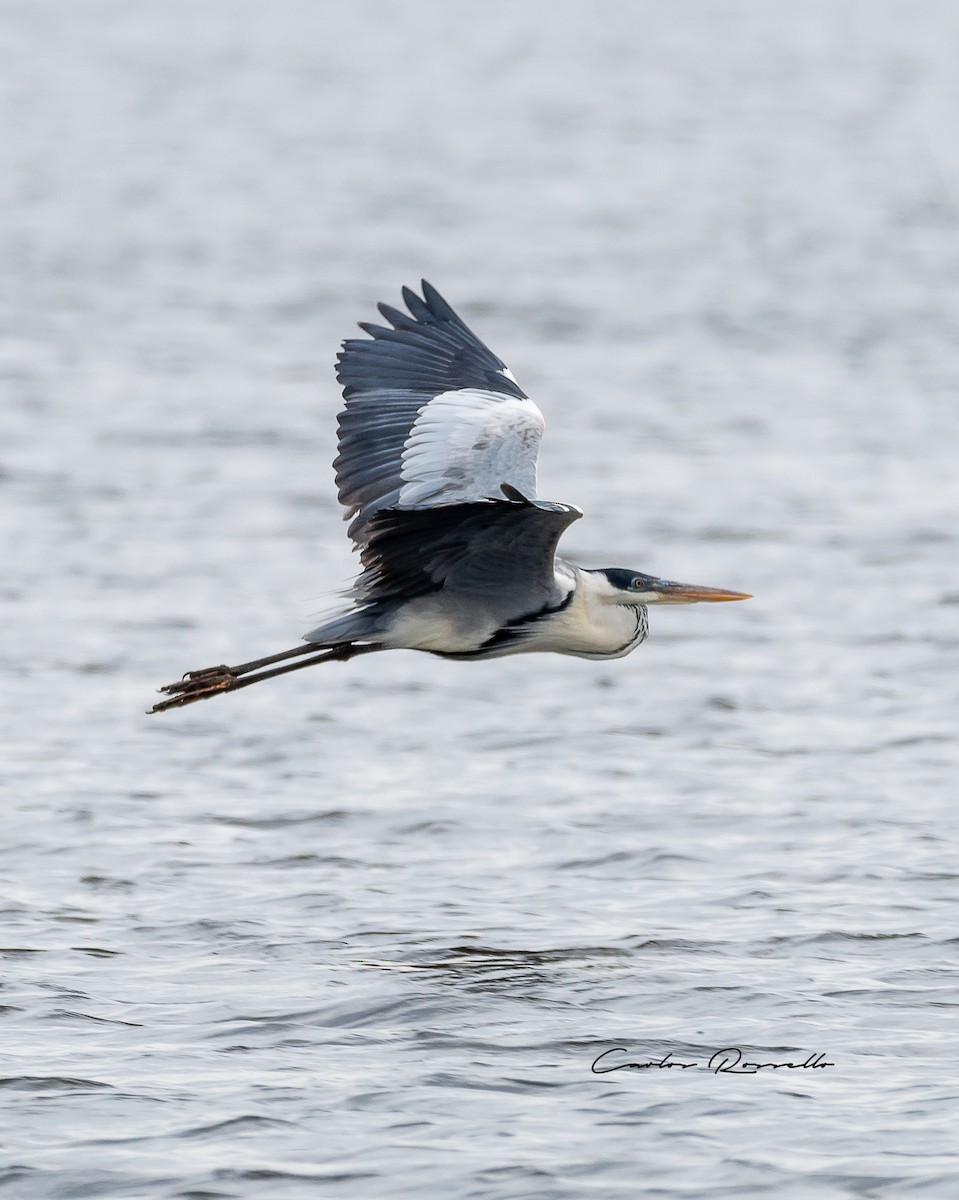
(362, 932)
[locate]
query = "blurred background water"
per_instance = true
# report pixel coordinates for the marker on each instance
(362, 932)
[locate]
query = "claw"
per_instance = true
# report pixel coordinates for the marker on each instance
(204, 671)
(196, 685)
(194, 681)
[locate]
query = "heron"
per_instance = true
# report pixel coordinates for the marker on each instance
(436, 468)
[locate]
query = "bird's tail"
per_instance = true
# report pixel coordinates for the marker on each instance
(217, 681)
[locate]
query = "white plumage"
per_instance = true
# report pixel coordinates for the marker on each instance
(464, 445)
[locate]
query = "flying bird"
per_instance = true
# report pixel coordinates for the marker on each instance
(437, 469)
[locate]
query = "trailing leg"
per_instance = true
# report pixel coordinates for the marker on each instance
(217, 681)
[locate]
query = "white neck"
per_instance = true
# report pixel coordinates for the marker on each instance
(596, 623)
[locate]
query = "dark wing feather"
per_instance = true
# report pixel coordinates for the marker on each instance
(497, 550)
(389, 380)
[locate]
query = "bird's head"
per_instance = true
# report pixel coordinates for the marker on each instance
(618, 586)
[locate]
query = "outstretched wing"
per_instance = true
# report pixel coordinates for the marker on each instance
(432, 416)
(499, 553)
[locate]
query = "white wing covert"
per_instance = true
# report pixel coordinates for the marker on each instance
(432, 416)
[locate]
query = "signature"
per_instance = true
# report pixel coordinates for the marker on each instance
(729, 1061)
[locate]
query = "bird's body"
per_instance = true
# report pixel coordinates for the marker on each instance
(437, 469)
(581, 621)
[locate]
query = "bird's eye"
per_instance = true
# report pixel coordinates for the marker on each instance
(637, 585)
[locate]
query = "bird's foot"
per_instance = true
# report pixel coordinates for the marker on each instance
(196, 685)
